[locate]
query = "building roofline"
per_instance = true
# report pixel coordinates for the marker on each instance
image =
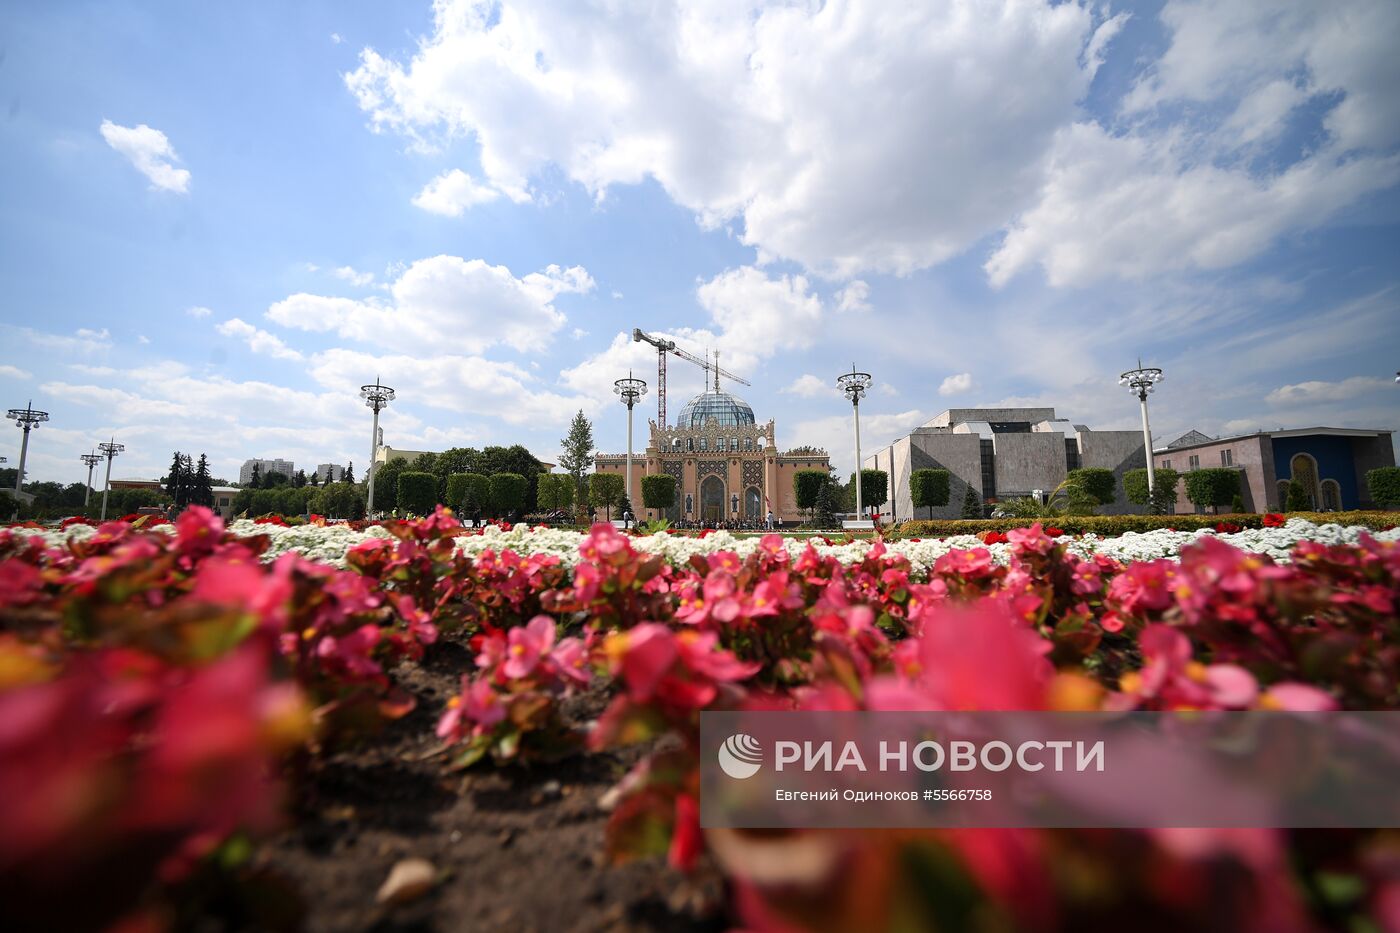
(1291, 432)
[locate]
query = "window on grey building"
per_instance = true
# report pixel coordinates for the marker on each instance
(1071, 454)
(1227, 458)
(1193, 462)
(1166, 464)
(989, 474)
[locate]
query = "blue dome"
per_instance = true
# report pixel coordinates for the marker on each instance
(729, 411)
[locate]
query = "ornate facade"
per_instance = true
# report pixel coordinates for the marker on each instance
(727, 466)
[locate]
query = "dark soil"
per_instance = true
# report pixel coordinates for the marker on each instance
(516, 848)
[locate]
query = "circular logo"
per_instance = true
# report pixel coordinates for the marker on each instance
(740, 756)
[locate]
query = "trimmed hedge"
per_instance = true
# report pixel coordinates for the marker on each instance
(1098, 482)
(874, 488)
(1384, 484)
(1213, 487)
(807, 484)
(417, 493)
(929, 488)
(658, 491)
(1164, 480)
(1108, 525)
(508, 492)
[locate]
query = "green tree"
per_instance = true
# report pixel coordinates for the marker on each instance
(624, 506)
(576, 458)
(456, 492)
(1212, 488)
(255, 478)
(349, 475)
(477, 497)
(314, 479)
(1384, 485)
(1164, 480)
(300, 479)
(546, 495)
(824, 512)
(874, 488)
(658, 491)
(266, 502)
(807, 486)
(604, 491)
(514, 459)
(275, 479)
(508, 493)
(929, 489)
(201, 486)
(339, 500)
(972, 506)
(417, 492)
(1298, 498)
(1098, 483)
(176, 482)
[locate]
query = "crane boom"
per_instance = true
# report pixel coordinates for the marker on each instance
(664, 346)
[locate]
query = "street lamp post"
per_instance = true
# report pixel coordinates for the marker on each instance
(1141, 382)
(110, 449)
(377, 397)
(91, 460)
(630, 391)
(854, 384)
(27, 419)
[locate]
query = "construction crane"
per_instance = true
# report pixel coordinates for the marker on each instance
(664, 346)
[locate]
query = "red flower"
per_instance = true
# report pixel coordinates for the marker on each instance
(1273, 520)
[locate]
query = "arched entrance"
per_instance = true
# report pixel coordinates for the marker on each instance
(712, 499)
(1331, 495)
(753, 503)
(1304, 469)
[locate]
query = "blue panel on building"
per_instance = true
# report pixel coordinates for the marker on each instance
(1334, 461)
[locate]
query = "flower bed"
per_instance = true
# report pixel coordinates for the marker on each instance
(329, 543)
(1110, 525)
(160, 687)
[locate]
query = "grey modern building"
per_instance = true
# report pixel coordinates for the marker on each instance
(1002, 453)
(329, 472)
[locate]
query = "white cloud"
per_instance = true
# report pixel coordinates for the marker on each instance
(467, 384)
(1318, 391)
(1126, 206)
(854, 297)
(1193, 183)
(453, 193)
(199, 311)
(809, 386)
(444, 304)
(759, 315)
(336, 38)
(846, 136)
(83, 342)
(142, 339)
(150, 152)
(349, 274)
(957, 384)
(259, 341)
(14, 372)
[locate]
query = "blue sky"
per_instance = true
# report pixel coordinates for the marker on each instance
(220, 220)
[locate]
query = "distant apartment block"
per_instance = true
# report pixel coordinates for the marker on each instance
(329, 472)
(245, 475)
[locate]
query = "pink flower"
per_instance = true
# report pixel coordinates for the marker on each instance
(198, 530)
(571, 661)
(1032, 540)
(972, 563)
(1145, 586)
(526, 645)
